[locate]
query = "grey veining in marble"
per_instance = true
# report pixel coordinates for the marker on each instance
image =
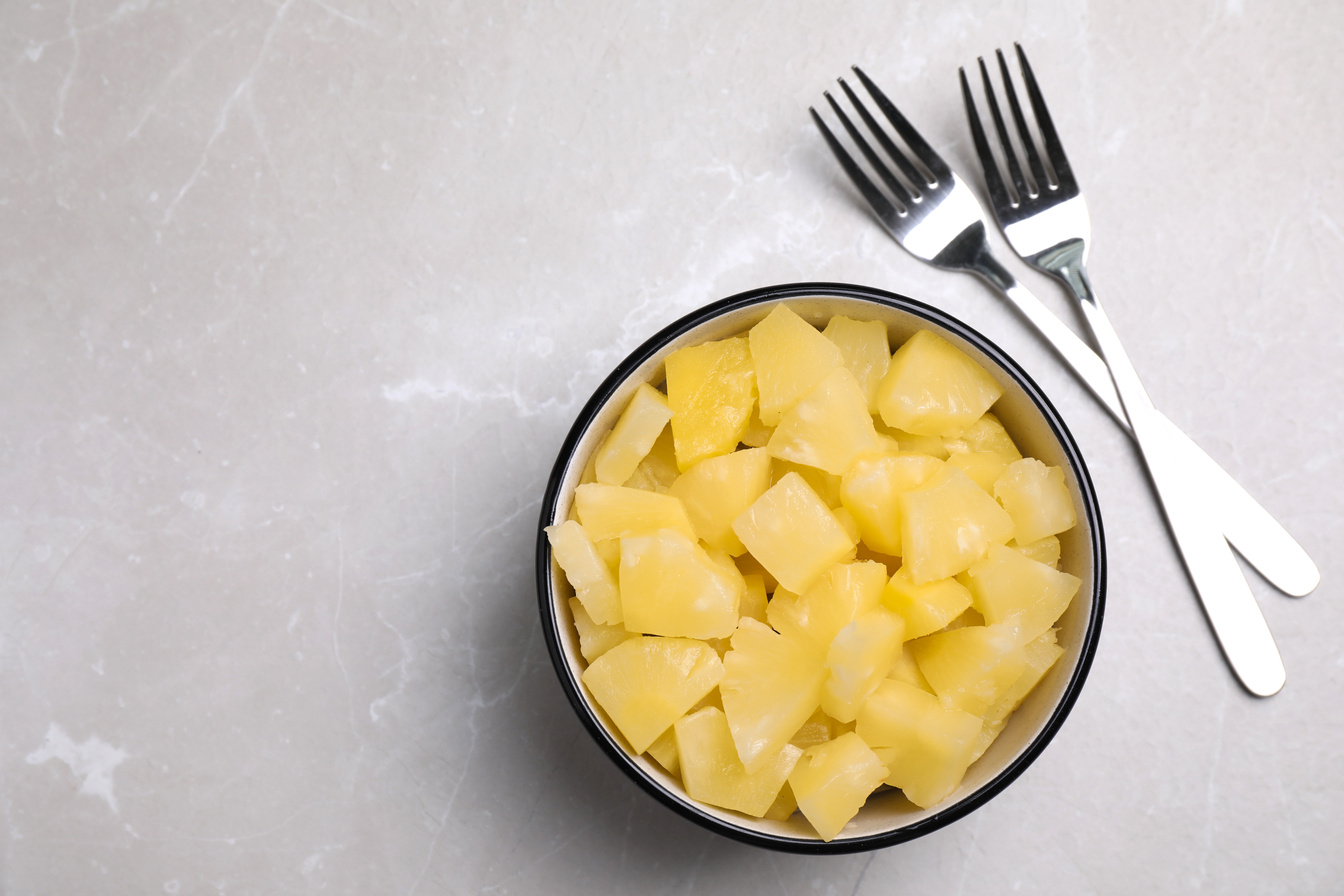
(298, 299)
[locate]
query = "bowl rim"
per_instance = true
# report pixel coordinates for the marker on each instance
(550, 623)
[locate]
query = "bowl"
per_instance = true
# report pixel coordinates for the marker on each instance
(1036, 427)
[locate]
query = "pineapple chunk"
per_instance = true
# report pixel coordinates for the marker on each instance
(645, 684)
(640, 424)
(1037, 498)
(866, 352)
(754, 599)
(664, 750)
(595, 639)
(658, 469)
(614, 511)
(1045, 550)
(907, 670)
(841, 594)
(784, 806)
(870, 488)
(771, 686)
(1010, 587)
(671, 586)
(948, 523)
(833, 780)
(790, 357)
(928, 607)
(984, 467)
(757, 434)
(861, 655)
(972, 667)
(985, 434)
(713, 773)
(932, 388)
(1040, 654)
(828, 427)
(588, 574)
(711, 389)
(817, 730)
(826, 485)
(925, 745)
(793, 534)
(716, 490)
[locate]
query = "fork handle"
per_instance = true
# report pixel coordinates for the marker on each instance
(1222, 588)
(1255, 533)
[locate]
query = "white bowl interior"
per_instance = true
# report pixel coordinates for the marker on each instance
(887, 811)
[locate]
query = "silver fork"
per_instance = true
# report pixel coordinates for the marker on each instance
(1045, 219)
(932, 213)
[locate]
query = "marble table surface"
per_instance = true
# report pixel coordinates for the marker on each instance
(299, 299)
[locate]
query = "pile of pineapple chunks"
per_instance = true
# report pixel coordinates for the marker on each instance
(811, 569)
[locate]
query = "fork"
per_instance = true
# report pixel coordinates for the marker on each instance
(1045, 220)
(932, 213)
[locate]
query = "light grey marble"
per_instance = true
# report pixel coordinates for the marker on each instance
(298, 300)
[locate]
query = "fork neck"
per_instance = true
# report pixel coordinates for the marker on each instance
(1068, 262)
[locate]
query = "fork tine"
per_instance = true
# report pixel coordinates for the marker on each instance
(874, 197)
(931, 160)
(914, 175)
(897, 188)
(1049, 137)
(1028, 141)
(1005, 142)
(994, 184)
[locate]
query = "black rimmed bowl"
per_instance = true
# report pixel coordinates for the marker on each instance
(1035, 426)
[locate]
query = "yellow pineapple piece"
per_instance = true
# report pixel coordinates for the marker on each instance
(711, 389)
(586, 571)
(1009, 587)
(984, 467)
(971, 667)
(925, 745)
(933, 388)
(1045, 550)
(870, 489)
(860, 656)
(947, 523)
(828, 426)
(865, 351)
(757, 434)
(841, 594)
(631, 439)
(664, 750)
(907, 670)
(793, 534)
(645, 684)
(754, 598)
(927, 607)
(671, 586)
(790, 357)
(713, 773)
(826, 485)
(658, 469)
(985, 434)
(614, 511)
(1041, 654)
(1037, 498)
(784, 805)
(818, 729)
(933, 446)
(771, 686)
(595, 639)
(833, 780)
(716, 490)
